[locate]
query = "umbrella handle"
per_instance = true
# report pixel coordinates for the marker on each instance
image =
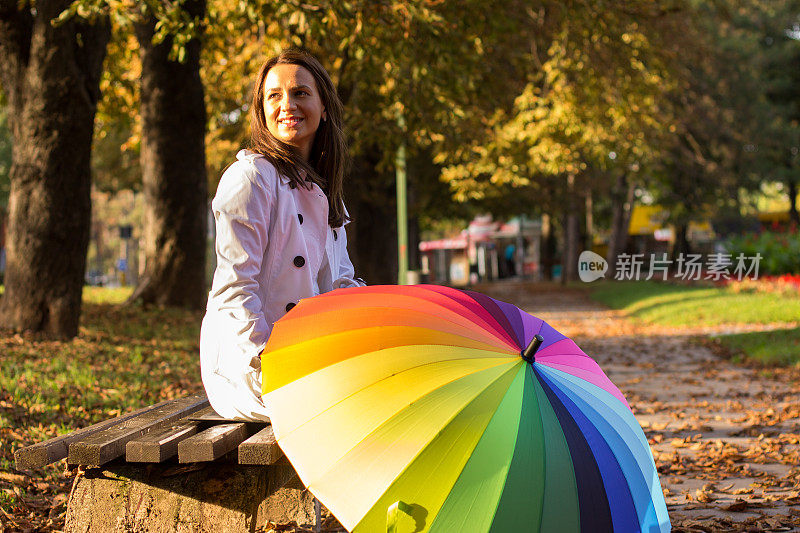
(529, 352)
(393, 515)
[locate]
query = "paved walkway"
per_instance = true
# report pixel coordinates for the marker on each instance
(725, 437)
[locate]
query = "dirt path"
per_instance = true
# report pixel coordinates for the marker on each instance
(726, 438)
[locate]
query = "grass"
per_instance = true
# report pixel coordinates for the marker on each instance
(123, 359)
(105, 295)
(677, 305)
(780, 347)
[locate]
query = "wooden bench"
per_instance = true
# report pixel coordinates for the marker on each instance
(176, 465)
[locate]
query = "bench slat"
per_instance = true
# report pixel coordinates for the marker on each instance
(210, 415)
(212, 443)
(158, 446)
(108, 444)
(260, 449)
(57, 448)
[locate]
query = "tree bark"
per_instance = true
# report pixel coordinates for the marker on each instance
(621, 209)
(51, 76)
(589, 219)
(794, 216)
(547, 247)
(372, 236)
(681, 245)
(572, 234)
(173, 171)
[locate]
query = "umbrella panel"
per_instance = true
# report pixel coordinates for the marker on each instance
(377, 461)
(426, 481)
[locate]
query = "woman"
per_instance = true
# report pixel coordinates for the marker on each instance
(280, 227)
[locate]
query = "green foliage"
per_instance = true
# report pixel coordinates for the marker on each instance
(724, 121)
(117, 139)
(444, 65)
(505, 97)
(780, 252)
(741, 121)
(677, 305)
(174, 23)
(590, 106)
(774, 46)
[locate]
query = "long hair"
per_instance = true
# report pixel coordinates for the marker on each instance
(329, 158)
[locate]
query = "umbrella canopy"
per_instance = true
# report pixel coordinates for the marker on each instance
(458, 410)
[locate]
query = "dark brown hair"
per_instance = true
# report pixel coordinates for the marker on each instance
(328, 161)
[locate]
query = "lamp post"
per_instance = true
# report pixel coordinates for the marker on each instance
(402, 218)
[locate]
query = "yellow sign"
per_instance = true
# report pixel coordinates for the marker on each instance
(646, 219)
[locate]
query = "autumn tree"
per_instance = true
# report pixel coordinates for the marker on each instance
(50, 73)
(116, 151)
(588, 116)
(443, 66)
(173, 122)
(774, 29)
(717, 114)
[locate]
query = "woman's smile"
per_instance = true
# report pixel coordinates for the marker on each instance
(290, 121)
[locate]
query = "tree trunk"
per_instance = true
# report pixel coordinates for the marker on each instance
(794, 216)
(589, 219)
(547, 247)
(372, 236)
(173, 171)
(621, 209)
(572, 234)
(681, 245)
(51, 76)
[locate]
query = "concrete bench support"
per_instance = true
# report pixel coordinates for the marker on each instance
(205, 497)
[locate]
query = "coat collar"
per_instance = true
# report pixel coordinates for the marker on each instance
(246, 154)
(249, 155)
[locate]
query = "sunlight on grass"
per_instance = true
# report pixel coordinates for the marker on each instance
(106, 295)
(778, 347)
(673, 305)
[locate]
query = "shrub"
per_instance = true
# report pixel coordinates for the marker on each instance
(780, 252)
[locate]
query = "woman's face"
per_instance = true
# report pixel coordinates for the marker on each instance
(292, 106)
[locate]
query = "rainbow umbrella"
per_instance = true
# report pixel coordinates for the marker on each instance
(426, 408)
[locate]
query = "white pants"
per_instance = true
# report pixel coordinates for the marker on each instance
(232, 385)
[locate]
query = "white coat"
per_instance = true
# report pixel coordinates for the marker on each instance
(274, 246)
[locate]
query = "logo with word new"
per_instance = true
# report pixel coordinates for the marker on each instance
(591, 266)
